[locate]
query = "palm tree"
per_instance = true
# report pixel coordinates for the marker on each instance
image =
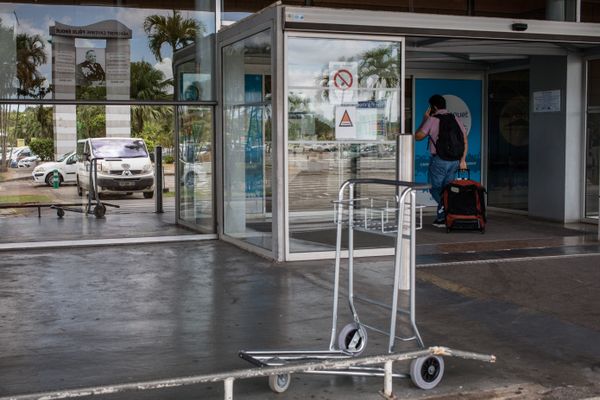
(7, 74)
(31, 54)
(174, 30)
(147, 83)
(379, 68)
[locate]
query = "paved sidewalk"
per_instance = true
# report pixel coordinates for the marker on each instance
(104, 315)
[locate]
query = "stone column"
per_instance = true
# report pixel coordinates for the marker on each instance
(65, 116)
(118, 118)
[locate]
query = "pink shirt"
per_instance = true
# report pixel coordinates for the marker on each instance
(431, 126)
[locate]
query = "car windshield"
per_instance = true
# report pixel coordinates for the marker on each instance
(64, 156)
(119, 148)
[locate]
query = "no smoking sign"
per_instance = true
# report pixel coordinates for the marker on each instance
(343, 79)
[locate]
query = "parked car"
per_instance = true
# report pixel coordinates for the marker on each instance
(66, 165)
(28, 162)
(123, 166)
(17, 154)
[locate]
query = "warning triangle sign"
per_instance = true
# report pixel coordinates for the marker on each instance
(346, 122)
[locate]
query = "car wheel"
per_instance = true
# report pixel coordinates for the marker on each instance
(50, 179)
(148, 195)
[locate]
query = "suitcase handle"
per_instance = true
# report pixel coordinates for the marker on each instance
(460, 173)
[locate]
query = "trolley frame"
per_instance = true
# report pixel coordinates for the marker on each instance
(340, 348)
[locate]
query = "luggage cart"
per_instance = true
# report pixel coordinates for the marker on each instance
(396, 218)
(94, 205)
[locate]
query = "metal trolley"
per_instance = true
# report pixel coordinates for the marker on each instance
(94, 205)
(396, 217)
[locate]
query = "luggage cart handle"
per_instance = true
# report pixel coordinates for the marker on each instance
(391, 182)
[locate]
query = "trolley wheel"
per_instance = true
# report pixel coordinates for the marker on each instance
(60, 212)
(426, 372)
(279, 383)
(100, 210)
(353, 338)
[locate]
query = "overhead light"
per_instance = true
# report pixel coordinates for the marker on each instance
(519, 26)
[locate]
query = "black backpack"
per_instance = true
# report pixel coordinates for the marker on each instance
(450, 144)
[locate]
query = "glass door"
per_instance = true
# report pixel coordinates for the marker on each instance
(344, 110)
(247, 150)
(592, 144)
(195, 168)
(508, 132)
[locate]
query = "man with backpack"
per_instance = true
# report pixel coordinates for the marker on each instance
(448, 146)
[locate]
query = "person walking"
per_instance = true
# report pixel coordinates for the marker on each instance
(448, 146)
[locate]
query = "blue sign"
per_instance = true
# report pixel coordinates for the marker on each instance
(463, 99)
(254, 138)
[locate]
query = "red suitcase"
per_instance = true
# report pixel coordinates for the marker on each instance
(464, 204)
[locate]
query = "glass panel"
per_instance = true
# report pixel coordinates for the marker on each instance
(508, 166)
(592, 167)
(590, 10)
(35, 145)
(593, 88)
(247, 140)
(196, 167)
(592, 155)
(71, 52)
(327, 77)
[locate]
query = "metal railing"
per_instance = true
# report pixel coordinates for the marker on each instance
(228, 378)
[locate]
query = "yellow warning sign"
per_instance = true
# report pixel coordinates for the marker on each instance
(346, 121)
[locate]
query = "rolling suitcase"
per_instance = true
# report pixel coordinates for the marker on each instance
(464, 204)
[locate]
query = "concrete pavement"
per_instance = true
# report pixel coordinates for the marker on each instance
(103, 315)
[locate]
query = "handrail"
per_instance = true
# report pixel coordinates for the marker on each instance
(228, 377)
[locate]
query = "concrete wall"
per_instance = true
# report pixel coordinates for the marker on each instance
(555, 140)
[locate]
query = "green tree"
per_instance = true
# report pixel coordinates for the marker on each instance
(91, 121)
(379, 68)
(7, 75)
(43, 147)
(148, 83)
(173, 30)
(31, 54)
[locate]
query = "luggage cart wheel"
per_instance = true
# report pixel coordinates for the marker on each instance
(426, 372)
(100, 210)
(353, 338)
(60, 212)
(279, 383)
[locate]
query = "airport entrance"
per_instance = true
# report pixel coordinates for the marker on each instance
(319, 97)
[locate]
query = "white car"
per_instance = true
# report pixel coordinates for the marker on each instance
(28, 162)
(66, 166)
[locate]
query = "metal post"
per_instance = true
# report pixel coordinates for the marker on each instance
(387, 380)
(229, 389)
(405, 172)
(158, 179)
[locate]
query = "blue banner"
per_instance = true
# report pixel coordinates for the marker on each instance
(254, 138)
(463, 99)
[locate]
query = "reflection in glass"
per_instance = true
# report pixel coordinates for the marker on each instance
(247, 140)
(196, 167)
(88, 52)
(360, 75)
(592, 145)
(508, 166)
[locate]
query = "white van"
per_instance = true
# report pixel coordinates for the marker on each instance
(124, 166)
